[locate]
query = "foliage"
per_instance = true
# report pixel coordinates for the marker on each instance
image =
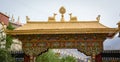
(2, 37)
(10, 27)
(9, 41)
(5, 56)
(68, 59)
(48, 57)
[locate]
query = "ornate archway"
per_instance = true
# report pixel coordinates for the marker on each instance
(87, 37)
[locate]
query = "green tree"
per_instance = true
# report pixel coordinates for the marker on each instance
(49, 56)
(9, 41)
(68, 59)
(10, 27)
(5, 56)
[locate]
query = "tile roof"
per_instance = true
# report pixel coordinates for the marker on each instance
(63, 27)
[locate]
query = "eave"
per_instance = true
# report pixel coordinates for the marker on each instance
(62, 31)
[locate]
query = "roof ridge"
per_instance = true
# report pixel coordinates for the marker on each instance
(63, 22)
(4, 14)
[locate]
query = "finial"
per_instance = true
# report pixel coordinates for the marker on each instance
(98, 18)
(12, 19)
(18, 19)
(27, 19)
(62, 10)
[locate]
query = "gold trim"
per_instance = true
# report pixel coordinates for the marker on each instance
(78, 21)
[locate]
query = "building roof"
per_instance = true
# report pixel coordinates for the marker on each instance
(4, 14)
(4, 18)
(62, 28)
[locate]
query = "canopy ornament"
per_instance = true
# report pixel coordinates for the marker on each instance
(62, 10)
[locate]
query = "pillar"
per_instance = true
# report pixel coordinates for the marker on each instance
(98, 58)
(96, 52)
(93, 57)
(26, 58)
(32, 58)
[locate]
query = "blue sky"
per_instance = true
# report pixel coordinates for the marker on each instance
(83, 9)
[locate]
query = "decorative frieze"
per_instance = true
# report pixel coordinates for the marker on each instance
(61, 37)
(89, 44)
(34, 51)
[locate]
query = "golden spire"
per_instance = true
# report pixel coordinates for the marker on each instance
(62, 10)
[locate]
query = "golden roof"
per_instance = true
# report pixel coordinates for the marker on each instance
(60, 25)
(62, 28)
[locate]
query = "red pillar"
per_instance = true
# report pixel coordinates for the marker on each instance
(98, 58)
(26, 58)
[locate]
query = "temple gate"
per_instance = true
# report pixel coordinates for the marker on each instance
(86, 36)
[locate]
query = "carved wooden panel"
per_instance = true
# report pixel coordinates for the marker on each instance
(34, 51)
(87, 43)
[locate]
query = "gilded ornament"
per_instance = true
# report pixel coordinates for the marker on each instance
(98, 18)
(62, 10)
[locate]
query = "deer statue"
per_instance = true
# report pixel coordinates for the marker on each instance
(72, 19)
(98, 18)
(52, 19)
